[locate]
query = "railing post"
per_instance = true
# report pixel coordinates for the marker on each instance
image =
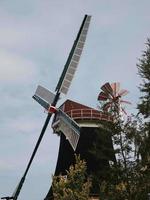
(71, 113)
(82, 113)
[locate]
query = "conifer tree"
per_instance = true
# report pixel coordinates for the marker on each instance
(144, 72)
(144, 105)
(130, 175)
(73, 186)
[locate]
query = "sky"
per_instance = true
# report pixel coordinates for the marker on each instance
(35, 39)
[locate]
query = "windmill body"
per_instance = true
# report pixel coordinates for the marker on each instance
(90, 122)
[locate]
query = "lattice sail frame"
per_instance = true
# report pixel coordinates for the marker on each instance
(74, 57)
(111, 96)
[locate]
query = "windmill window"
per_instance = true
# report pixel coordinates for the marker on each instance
(80, 45)
(69, 77)
(64, 90)
(73, 64)
(86, 25)
(88, 18)
(66, 83)
(78, 51)
(82, 38)
(76, 58)
(71, 70)
(84, 32)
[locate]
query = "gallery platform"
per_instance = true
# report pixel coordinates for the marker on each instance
(84, 115)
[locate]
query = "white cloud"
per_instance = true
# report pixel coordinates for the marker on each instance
(15, 69)
(5, 165)
(24, 125)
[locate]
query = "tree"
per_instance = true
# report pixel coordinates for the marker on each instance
(73, 186)
(102, 153)
(144, 72)
(127, 179)
(129, 176)
(144, 105)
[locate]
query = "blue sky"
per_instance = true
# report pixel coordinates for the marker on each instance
(35, 39)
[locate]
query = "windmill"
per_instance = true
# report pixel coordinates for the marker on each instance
(49, 100)
(111, 96)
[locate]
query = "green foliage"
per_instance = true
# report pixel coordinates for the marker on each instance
(73, 186)
(144, 72)
(101, 152)
(144, 105)
(130, 184)
(128, 178)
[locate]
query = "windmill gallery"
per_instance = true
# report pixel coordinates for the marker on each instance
(76, 124)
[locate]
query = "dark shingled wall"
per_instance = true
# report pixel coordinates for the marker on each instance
(88, 138)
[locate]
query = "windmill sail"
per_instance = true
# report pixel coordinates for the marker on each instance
(63, 123)
(45, 94)
(115, 87)
(44, 97)
(43, 103)
(107, 89)
(103, 96)
(112, 95)
(74, 57)
(123, 92)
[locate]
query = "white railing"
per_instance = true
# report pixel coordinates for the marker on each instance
(88, 114)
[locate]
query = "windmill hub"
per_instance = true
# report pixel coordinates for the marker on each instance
(52, 109)
(116, 99)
